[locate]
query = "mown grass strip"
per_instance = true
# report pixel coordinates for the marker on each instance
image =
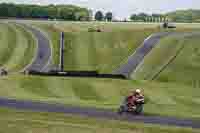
(8, 43)
(157, 58)
(85, 91)
(24, 51)
(23, 122)
(104, 93)
(168, 63)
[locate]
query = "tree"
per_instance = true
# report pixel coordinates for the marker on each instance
(133, 17)
(99, 16)
(109, 16)
(52, 11)
(142, 16)
(66, 12)
(157, 17)
(81, 16)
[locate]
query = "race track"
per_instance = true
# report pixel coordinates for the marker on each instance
(96, 113)
(41, 62)
(136, 58)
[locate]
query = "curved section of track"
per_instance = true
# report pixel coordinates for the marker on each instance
(136, 58)
(97, 113)
(43, 55)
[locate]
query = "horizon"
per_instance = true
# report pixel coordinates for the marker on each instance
(123, 8)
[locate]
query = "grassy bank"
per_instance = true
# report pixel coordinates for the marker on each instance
(96, 51)
(171, 99)
(8, 42)
(23, 122)
(101, 51)
(164, 51)
(18, 47)
(162, 64)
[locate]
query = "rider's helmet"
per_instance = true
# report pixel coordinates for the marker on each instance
(138, 91)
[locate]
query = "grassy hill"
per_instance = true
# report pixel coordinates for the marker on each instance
(7, 45)
(101, 51)
(171, 99)
(175, 59)
(17, 47)
(104, 51)
(166, 95)
(96, 51)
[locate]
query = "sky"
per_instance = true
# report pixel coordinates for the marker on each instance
(122, 8)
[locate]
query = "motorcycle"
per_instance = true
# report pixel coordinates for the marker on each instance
(136, 109)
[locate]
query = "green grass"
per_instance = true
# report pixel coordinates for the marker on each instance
(13, 121)
(158, 57)
(8, 39)
(183, 69)
(96, 51)
(104, 52)
(104, 26)
(17, 47)
(171, 99)
(101, 51)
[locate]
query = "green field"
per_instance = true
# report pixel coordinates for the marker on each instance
(24, 122)
(186, 51)
(171, 99)
(171, 93)
(103, 51)
(17, 47)
(96, 51)
(6, 44)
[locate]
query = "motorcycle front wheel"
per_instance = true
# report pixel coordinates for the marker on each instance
(139, 109)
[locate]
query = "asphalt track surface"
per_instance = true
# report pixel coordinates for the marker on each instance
(96, 113)
(137, 57)
(42, 58)
(41, 62)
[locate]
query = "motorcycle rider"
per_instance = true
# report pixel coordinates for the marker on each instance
(133, 102)
(134, 98)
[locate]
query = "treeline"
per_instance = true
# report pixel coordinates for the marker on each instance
(185, 16)
(63, 12)
(99, 16)
(144, 17)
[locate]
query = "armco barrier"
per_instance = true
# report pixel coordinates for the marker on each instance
(88, 74)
